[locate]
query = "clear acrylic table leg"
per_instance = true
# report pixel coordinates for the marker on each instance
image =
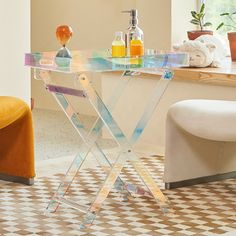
(88, 146)
(125, 154)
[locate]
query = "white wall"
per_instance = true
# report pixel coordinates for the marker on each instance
(14, 42)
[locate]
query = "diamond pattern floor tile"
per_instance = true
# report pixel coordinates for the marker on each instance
(205, 209)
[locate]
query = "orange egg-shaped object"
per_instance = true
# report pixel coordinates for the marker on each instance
(64, 34)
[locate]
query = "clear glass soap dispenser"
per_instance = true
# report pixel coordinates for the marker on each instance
(133, 31)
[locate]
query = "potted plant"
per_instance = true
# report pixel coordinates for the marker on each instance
(230, 24)
(198, 19)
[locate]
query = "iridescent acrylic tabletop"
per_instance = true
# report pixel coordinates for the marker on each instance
(102, 61)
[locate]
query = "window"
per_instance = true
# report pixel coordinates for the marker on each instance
(213, 10)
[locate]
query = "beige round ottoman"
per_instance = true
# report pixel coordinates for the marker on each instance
(200, 142)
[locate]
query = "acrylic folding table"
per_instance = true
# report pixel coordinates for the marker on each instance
(101, 61)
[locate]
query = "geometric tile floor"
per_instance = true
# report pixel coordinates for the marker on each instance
(205, 209)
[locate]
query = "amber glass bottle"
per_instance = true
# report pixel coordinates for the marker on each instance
(136, 46)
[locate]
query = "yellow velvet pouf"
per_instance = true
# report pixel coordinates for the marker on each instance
(16, 141)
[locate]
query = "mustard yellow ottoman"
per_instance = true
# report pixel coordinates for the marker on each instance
(16, 141)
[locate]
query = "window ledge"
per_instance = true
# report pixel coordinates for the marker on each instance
(225, 75)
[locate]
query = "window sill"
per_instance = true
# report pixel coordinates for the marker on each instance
(225, 75)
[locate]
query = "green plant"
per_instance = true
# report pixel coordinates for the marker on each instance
(230, 22)
(198, 18)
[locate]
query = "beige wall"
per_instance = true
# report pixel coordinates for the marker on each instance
(131, 105)
(180, 19)
(155, 20)
(14, 43)
(94, 23)
(164, 23)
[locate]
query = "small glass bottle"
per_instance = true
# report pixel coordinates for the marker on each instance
(136, 46)
(118, 45)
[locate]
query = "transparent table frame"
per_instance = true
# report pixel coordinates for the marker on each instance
(100, 61)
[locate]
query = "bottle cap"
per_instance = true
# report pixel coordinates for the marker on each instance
(119, 34)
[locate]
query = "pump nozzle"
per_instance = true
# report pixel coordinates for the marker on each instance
(134, 15)
(133, 12)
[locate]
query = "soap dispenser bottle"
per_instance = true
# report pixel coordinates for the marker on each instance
(133, 31)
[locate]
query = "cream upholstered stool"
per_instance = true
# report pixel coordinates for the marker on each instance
(200, 142)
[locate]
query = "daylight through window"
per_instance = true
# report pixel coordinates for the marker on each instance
(216, 7)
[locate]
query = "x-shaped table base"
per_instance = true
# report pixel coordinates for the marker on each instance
(91, 145)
